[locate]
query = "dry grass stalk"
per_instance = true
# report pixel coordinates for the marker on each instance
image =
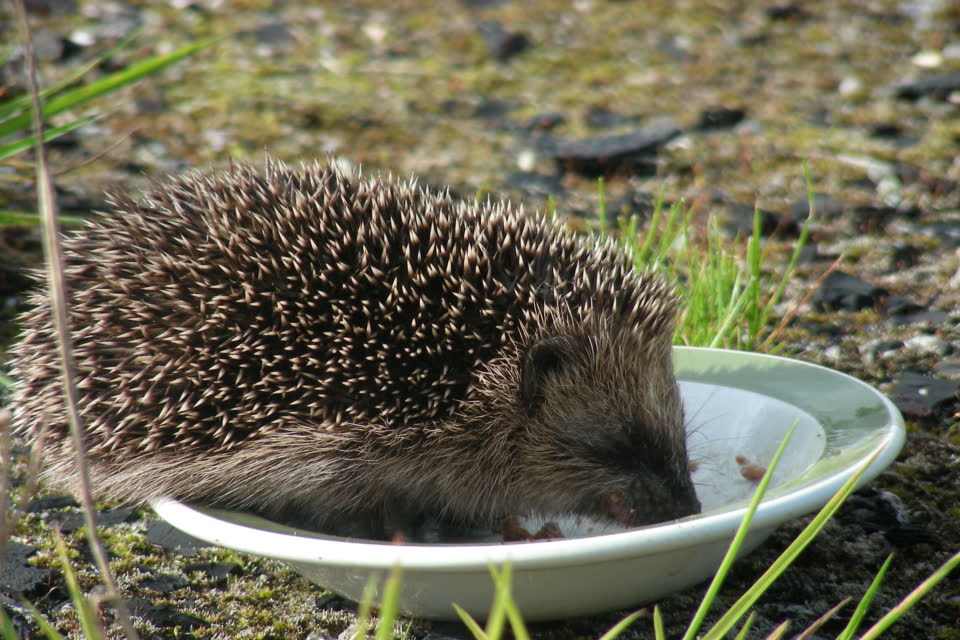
(58, 296)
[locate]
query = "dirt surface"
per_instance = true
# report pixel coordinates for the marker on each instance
(694, 100)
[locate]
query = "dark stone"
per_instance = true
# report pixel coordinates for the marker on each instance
(503, 44)
(536, 185)
(635, 202)
(21, 618)
(48, 503)
(545, 121)
(217, 571)
(720, 118)
(51, 7)
(603, 118)
(930, 318)
(936, 85)
(885, 130)
(873, 218)
(173, 540)
(448, 631)
(946, 231)
(16, 576)
(164, 582)
(273, 34)
(920, 396)
(741, 221)
(163, 616)
(631, 153)
(842, 291)
(334, 602)
(787, 11)
(935, 184)
(904, 256)
(106, 518)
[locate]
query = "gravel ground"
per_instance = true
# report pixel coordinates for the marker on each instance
(694, 100)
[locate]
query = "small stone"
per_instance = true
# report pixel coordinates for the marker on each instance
(842, 291)
(793, 11)
(21, 618)
(163, 616)
(825, 206)
(172, 539)
(604, 118)
(106, 518)
(16, 576)
(48, 503)
(874, 350)
(720, 118)
(927, 59)
(633, 153)
(217, 571)
(904, 256)
(545, 121)
(534, 184)
(927, 345)
(164, 583)
(503, 44)
(948, 368)
(921, 396)
(936, 85)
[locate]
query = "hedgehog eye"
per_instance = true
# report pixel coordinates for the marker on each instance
(542, 360)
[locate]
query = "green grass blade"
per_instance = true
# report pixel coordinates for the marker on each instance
(642, 255)
(735, 545)
(22, 103)
(496, 622)
(85, 612)
(864, 603)
(807, 633)
(46, 628)
(780, 631)
(81, 95)
(366, 606)
(658, 631)
(28, 218)
(389, 605)
(470, 623)
(894, 614)
(52, 133)
(748, 599)
(746, 626)
(615, 631)
(7, 632)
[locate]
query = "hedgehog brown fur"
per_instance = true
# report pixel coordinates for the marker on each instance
(310, 345)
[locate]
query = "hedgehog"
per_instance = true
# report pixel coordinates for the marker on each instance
(324, 348)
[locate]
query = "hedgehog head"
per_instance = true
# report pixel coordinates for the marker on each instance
(599, 423)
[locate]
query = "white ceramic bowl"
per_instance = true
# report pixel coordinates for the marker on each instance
(736, 403)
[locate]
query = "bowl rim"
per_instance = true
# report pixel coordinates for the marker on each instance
(211, 526)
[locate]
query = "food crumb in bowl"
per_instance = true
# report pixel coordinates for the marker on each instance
(749, 470)
(513, 531)
(693, 465)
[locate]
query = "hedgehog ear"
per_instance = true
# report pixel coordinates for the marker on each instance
(541, 360)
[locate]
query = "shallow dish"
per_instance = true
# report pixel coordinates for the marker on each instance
(737, 404)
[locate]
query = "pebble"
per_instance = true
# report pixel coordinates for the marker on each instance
(634, 153)
(935, 85)
(173, 540)
(163, 616)
(503, 44)
(927, 345)
(921, 396)
(18, 577)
